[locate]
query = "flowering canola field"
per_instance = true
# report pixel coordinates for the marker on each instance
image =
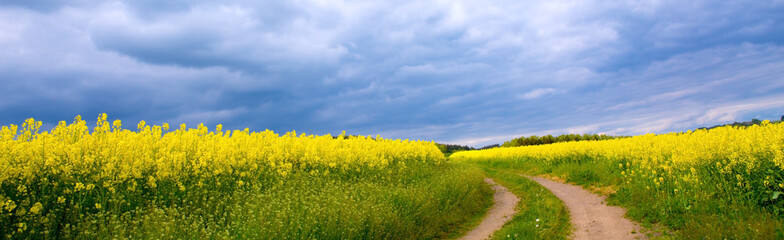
(683, 180)
(74, 181)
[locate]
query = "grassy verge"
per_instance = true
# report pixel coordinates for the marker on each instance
(541, 215)
(418, 201)
(472, 221)
(412, 204)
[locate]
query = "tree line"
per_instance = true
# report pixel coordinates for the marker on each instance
(448, 149)
(549, 139)
(744, 124)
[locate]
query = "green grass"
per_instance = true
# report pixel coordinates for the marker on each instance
(536, 202)
(688, 213)
(474, 221)
(413, 202)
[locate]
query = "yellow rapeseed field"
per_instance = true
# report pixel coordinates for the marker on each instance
(110, 154)
(672, 157)
(55, 178)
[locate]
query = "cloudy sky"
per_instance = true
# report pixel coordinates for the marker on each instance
(463, 72)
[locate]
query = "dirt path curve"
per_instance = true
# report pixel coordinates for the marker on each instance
(502, 211)
(591, 218)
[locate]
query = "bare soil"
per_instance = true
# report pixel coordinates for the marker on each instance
(590, 216)
(502, 211)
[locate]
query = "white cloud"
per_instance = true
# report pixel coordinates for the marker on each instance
(537, 93)
(731, 111)
(658, 99)
(209, 116)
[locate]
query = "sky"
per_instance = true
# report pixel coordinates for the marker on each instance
(461, 72)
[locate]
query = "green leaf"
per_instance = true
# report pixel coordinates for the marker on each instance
(775, 195)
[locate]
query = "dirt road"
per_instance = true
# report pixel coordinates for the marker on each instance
(503, 210)
(591, 218)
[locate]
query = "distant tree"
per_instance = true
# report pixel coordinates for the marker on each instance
(535, 140)
(441, 147)
(490, 146)
(448, 149)
(549, 139)
(755, 121)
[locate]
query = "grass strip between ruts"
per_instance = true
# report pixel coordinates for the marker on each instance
(540, 214)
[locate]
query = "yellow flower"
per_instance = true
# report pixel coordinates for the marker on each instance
(10, 205)
(36, 208)
(117, 124)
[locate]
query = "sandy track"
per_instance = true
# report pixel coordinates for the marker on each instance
(502, 211)
(591, 218)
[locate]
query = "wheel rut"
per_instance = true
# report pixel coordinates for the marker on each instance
(502, 211)
(591, 218)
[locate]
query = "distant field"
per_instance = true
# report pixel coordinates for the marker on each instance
(108, 182)
(725, 182)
